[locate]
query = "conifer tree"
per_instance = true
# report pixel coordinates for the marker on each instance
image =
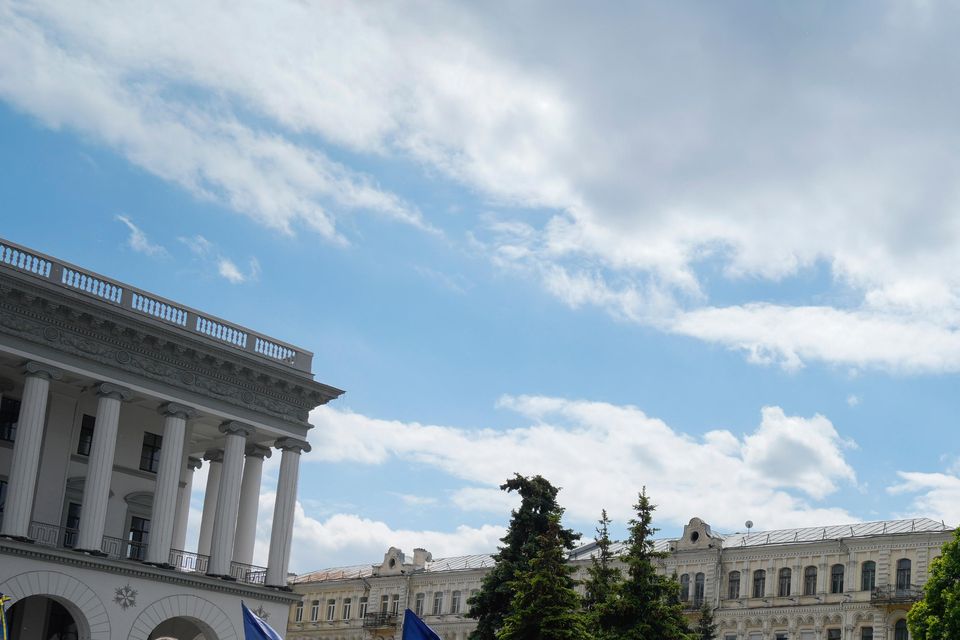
(528, 524)
(603, 576)
(706, 626)
(545, 605)
(937, 616)
(645, 606)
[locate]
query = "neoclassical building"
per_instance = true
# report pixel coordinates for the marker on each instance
(849, 582)
(111, 398)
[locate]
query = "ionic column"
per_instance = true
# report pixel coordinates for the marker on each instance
(183, 506)
(282, 532)
(22, 482)
(210, 494)
(225, 518)
(164, 513)
(249, 503)
(96, 489)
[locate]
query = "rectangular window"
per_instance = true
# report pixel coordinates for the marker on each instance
(87, 424)
(455, 602)
(72, 525)
(733, 585)
(138, 538)
(298, 613)
(384, 604)
(9, 415)
(395, 608)
(315, 610)
(331, 609)
(836, 578)
(780, 635)
(418, 605)
(150, 452)
(759, 583)
(809, 581)
(729, 637)
(363, 607)
(833, 634)
(437, 602)
(346, 608)
(866, 633)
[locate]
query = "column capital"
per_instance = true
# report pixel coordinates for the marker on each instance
(234, 427)
(177, 410)
(42, 370)
(213, 455)
(194, 463)
(292, 444)
(114, 391)
(258, 451)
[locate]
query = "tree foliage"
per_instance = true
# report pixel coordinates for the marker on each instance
(706, 626)
(645, 606)
(937, 616)
(521, 544)
(603, 576)
(545, 605)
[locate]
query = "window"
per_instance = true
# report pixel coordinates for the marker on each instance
(733, 585)
(698, 588)
(836, 578)
(685, 587)
(87, 424)
(384, 604)
(418, 605)
(298, 613)
(730, 636)
(395, 609)
(900, 630)
(346, 608)
(866, 633)
(455, 602)
(362, 609)
(783, 583)
(314, 610)
(759, 583)
(150, 452)
(810, 581)
(780, 635)
(331, 609)
(71, 525)
(138, 537)
(9, 415)
(903, 574)
(868, 576)
(3, 496)
(833, 634)
(437, 602)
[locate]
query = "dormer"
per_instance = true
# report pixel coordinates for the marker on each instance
(697, 535)
(392, 563)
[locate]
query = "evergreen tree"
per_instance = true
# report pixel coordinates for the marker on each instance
(603, 576)
(937, 616)
(646, 605)
(706, 627)
(521, 543)
(545, 605)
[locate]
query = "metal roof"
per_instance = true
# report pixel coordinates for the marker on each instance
(454, 563)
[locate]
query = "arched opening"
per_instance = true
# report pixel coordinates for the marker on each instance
(41, 618)
(182, 628)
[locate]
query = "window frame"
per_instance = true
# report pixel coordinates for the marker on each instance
(331, 609)
(298, 612)
(418, 604)
(904, 569)
(685, 587)
(699, 589)
(733, 585)
(314, 610)
(437, 603)
(836, 578)
(759, 583)
(868, 569)
(362, 607)
(455, 598)
(810, 580)
(150, 453)
(88, 425)
(784, 581)
(345, 610)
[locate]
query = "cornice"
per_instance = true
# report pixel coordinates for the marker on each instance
(144, 349)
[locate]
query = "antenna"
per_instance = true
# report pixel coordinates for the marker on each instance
(749, 525)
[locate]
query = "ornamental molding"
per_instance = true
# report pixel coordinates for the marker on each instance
(91, 332)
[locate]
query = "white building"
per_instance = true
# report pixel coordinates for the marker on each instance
(849, 582)
(111, 398)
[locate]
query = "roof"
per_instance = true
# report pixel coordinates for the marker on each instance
(355, 572)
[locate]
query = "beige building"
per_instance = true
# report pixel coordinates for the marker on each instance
(849, 582)
(110, 398)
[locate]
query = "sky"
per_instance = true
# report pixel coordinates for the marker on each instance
(710, 249)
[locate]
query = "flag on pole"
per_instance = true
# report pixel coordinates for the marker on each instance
(416, 629)
(254, 628)
(3, 616)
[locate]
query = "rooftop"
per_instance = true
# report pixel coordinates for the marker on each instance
(151, 307)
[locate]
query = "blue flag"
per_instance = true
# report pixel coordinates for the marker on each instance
(416, 629)
(254, 628)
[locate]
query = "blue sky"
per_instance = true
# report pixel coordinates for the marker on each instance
(708, 249)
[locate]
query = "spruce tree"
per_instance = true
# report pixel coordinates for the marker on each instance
(602, 575)
(937, 616)
(706, 626)
(545, 605)
(645, 605)
(528, 524)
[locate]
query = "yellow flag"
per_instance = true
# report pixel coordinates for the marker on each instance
(3, 616)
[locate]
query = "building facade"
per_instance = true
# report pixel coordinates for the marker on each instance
(111, 398)
(850, 582)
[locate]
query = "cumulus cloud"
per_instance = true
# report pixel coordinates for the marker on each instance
(209, 254)
(935, 495)
(137, 240)
(601, 454)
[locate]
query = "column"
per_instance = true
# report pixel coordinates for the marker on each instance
(164, 512)
(96, 489)
(183, 506)
(22, 483)
(281, 534)
(249, 503)
(225, 518)
(215, 458)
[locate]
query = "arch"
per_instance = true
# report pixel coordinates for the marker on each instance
(207, 614)
(84, 605)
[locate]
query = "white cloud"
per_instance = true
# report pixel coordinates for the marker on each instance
(229, 270)
(209, 254)
(137, 240)
(415, 500)
(853, 400)
(601, 454)
(936, 495)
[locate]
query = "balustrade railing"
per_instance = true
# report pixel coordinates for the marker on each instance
(894, 594)
(248, 573)
(379, 620)
(188, 562)
(103, 289)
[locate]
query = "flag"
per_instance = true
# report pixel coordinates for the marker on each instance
(416, 629)
(254, 628)
(3, 616)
